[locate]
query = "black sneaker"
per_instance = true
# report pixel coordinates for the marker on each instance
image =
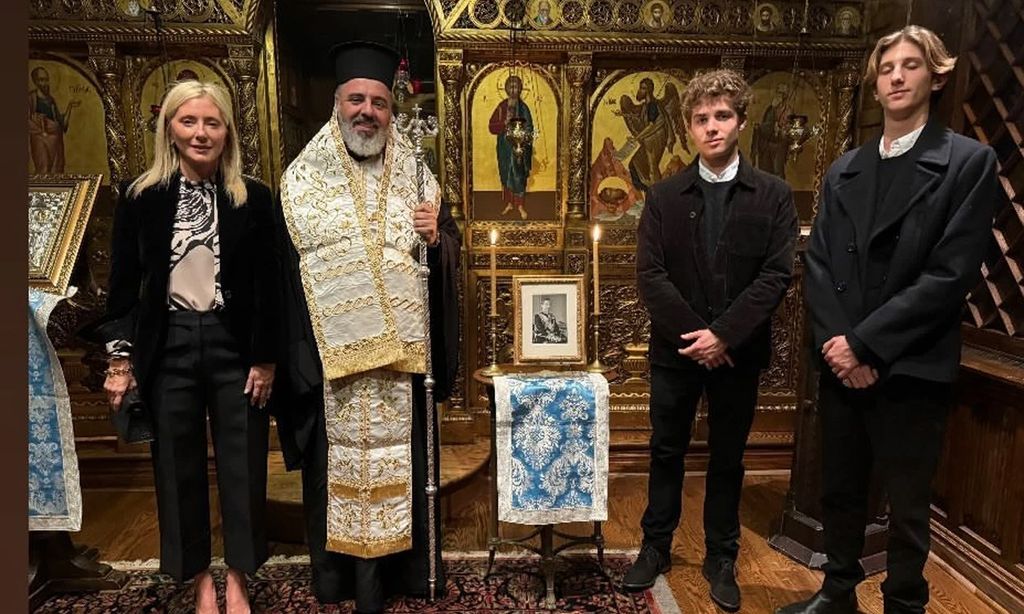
(649, 563)
(721, 577)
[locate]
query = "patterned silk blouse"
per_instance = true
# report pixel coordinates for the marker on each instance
(194, 282)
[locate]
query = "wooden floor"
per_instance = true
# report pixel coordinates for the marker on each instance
(122, 525)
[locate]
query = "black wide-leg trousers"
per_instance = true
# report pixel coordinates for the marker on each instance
(200, 373)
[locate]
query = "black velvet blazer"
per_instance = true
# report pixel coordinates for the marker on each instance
(140, 267)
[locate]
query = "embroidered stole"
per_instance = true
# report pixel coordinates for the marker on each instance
(356, 246)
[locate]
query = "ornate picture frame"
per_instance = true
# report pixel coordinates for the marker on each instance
(58, 212)
(550, 317)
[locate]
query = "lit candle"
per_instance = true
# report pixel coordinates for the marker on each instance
(494, 273)
(597, 275)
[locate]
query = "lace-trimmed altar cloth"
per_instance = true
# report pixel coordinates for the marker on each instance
(552, 448)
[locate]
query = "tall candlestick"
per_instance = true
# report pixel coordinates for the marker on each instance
(494, 273)
(597, 275)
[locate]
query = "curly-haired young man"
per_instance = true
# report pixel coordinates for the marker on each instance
(715, 256)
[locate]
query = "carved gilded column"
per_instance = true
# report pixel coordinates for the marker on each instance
(849, 75)
(450, 71)
(580, 68)
(109, 71)
(244, 68)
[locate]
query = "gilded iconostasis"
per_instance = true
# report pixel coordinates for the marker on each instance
(594, 91)
(555, 117)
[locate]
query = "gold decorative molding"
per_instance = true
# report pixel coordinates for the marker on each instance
(782, 375)
(450, 72)
(618, 258)
(576, 263)
(770, 437)
(496, 41)
(849, 78)
(632, 408)
(516, 237)
(635, 365)
(137, 70)
(576, 238)
(504, 321)
(578, 74)
(243, 66)
(110, 15)
(735, 62)
(618, 235)
(822, 155)
(669, 18)
(109, 71)
(86, 32)
(624, 321)
(538, 261)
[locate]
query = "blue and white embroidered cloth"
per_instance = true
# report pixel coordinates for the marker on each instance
(54, 492)
(552, 447)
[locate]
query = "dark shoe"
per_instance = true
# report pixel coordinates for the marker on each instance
(721, 577)
(821, 603)
(649, 563)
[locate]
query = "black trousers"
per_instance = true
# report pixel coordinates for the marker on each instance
(732, 395)
(339, 577)
(898, 429)
(200, 371)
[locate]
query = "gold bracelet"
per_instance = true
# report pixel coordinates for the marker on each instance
(126, 370)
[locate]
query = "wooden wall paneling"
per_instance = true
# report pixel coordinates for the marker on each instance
(978, 513)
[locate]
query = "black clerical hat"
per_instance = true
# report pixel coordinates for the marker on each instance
(365, 60)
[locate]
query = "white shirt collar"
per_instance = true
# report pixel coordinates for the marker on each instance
(899, 146)
(726, 175)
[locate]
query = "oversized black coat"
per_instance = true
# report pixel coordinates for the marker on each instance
(140, 259)
(932, 243)
(734, 295)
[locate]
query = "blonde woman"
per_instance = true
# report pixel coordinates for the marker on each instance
(192, 322)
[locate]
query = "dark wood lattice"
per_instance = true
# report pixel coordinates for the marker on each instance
(994, 109)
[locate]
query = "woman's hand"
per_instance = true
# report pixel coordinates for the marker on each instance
(120, 380)
(259, 384)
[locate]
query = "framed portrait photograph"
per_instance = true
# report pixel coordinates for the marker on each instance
(58, 212)
(549, 319)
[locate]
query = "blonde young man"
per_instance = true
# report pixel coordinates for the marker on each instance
(714, 258)
(902, 227)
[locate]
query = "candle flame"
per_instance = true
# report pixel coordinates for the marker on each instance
(597, 232)
(494, 236)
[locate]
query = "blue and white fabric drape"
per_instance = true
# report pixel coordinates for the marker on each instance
(552, 448)
(54, 492)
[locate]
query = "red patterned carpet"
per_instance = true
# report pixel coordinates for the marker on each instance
(515, 585)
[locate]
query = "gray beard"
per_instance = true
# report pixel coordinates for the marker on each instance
(362, 146)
